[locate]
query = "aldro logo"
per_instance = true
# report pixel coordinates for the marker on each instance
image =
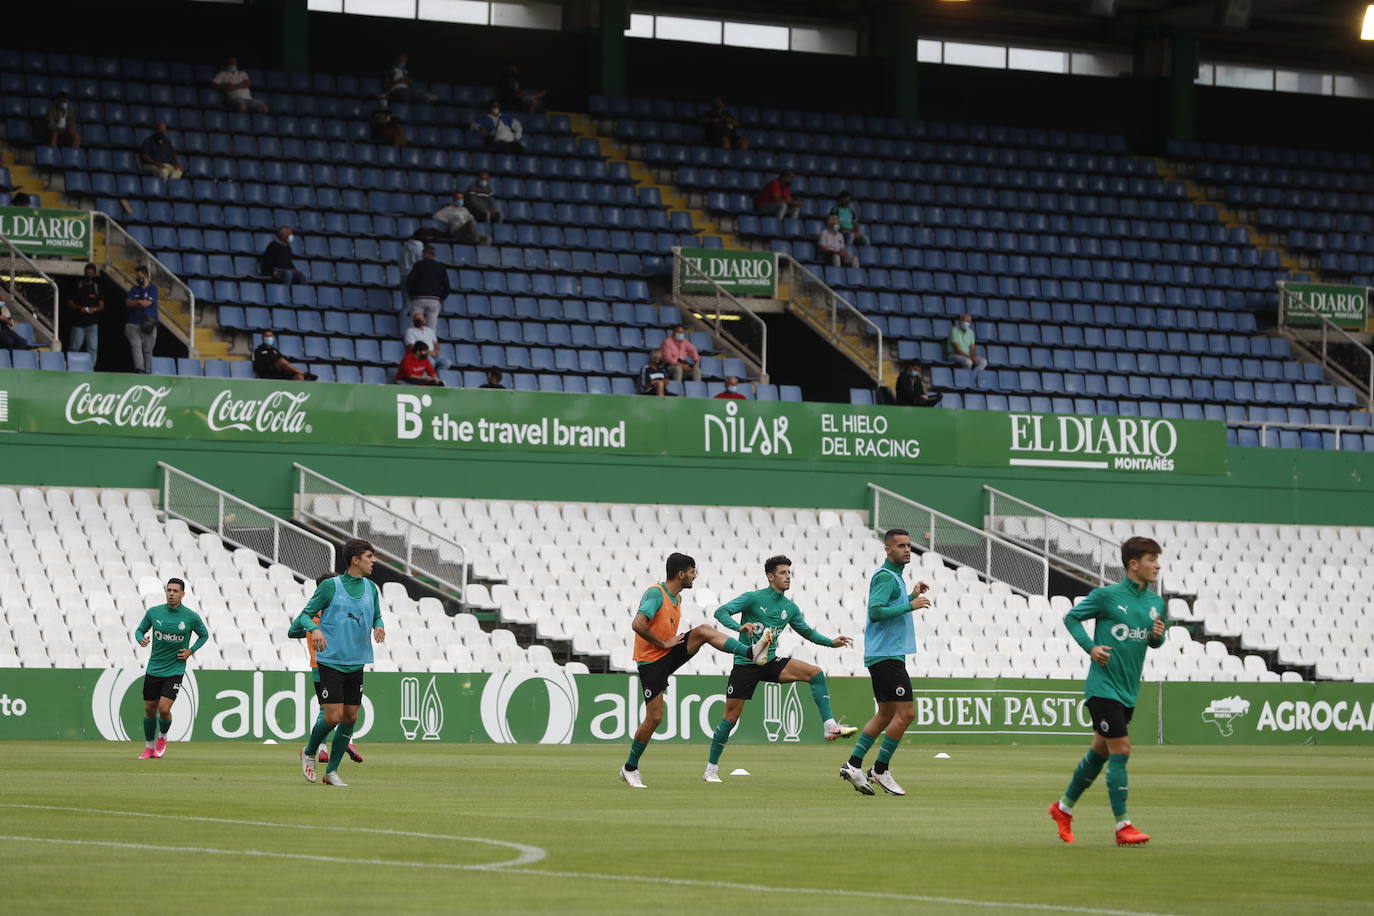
(1121, 632)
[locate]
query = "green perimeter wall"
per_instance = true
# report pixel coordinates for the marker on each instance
(1262, 485)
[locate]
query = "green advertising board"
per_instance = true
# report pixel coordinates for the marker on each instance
(1343, 306)
(741, 273)
(561, 708)
(47, 233)
(222, 410)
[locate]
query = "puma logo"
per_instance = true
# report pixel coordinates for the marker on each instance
(354, 617)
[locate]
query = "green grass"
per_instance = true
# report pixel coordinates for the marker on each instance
(1243, 830)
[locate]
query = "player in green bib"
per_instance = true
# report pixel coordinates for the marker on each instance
(763, 615)
(167, 627)
(1130, 618)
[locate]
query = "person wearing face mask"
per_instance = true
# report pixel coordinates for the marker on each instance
(158, 156)
(415, 368)
(456, 222)
(397, 84)
(501, 130)
(61, 122)
(848, 216)
(481, 199)
(776, 198)
(681, 355)
(269, 363)
(830, 245)
(911, 388)
(962, 346)
(277, 261)
(420, 332)
(732, 390)
(140, 324)
(237, 88)
(83, 313)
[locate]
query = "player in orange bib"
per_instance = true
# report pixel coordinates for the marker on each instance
(660, 650)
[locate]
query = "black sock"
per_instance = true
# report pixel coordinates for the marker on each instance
(630, 769)
(879, 767)
(856, 762)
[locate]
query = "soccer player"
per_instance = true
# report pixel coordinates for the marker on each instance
(767, 612)
(889, 638)
(299, 633)
(1129, 617)
(166, 626)
(660, 650)
(349, 609)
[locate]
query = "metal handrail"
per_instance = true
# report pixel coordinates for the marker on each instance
(55, 333)
(111, 226)
(989, 541)
(1100, 574)
(230, 526)
(1265, 425)
(836, 300)
(1285, 297)
(414, 533)
(718, 329)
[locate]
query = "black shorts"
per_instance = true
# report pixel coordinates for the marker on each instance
(891, 683)
(1110, 718)
(337, 686)
(653, 677)
(316, 682)
(155, 687)
(744, 678)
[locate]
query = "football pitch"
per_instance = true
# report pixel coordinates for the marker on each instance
(234, 828)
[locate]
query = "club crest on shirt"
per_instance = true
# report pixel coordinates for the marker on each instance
(181, 625)
(784, 615)
(1154, 613)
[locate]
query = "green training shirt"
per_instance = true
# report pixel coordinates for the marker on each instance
(774, 610)
(323, 597)
(1125, 615)
(170, 628)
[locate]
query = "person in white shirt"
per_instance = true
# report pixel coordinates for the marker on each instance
(397, 84)
(830, 245)
(420, 330)
(456, 221)
(500, 131)
(237, 87)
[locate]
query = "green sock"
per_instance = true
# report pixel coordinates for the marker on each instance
(1116, 784)
(737, 647)
(149, 728)
(885, 752)
(820, 692)
(342, 735)
(319, 719)
(636, 748)
(164, 724)
(317, 736)
(1083, 776)
(860, 748)
(718, 740)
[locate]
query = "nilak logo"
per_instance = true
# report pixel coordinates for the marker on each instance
(1224, 712)
(736, 434)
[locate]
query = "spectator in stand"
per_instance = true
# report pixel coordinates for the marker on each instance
(732, 392)
(83, 313)
(277, 261)
(237, 88)
(456, 221)
(269, 363)
(680, 355)
(653, 376)
(501, 130)
(513, 98)
(386, 127)
(722, 127)
(776, 198)
(61, 122)
(493, 380)
(428, 287)
(415, 368)
(830, 246)
(20, 198)
(849, 221)
(10, 339)
(140, 327)
(962, 346)
(420, 331)
(397, 84)
(911, 388)
(158, 156)
(481, 200)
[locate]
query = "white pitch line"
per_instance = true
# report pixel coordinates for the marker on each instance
(502, 869)
(528, 855)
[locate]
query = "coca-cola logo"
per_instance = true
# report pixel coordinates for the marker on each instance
(278, 412)
(136, 407)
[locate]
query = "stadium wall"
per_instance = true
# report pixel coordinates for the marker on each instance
(562, 708)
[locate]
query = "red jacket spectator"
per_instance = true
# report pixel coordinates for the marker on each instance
(732, 392)
(776, 198)
(416, 369)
